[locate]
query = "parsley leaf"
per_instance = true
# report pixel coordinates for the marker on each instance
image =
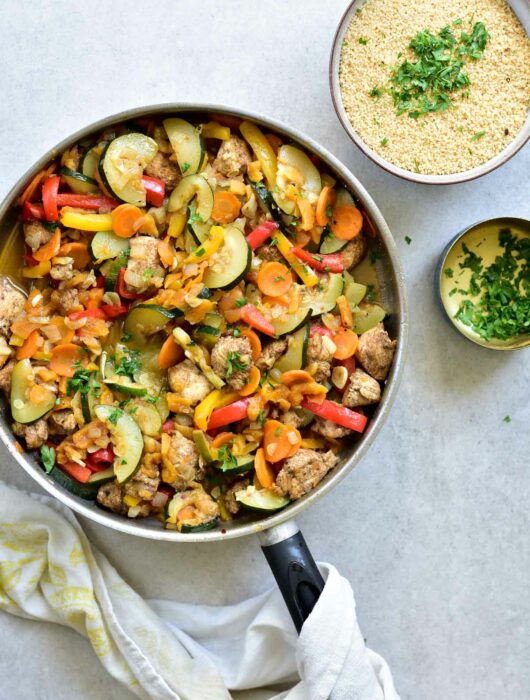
(478, 135)
(408, 240)
(114, 415)
(370, 292)
(128, 363)
(234, 363)
(226, 457)
(363, 41)
(47, 455)
(261, 417)
(240, 302)
(185, 167)
(375, 255)
(449, 272)
(507, 419)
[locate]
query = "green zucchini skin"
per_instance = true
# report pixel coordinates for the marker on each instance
(86, 491)
(238, 266)
(203, 527)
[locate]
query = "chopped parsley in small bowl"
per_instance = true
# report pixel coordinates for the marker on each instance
(483, 280)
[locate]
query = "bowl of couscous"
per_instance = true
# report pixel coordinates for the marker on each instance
(437, 92)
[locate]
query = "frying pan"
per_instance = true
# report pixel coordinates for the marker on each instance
(282, 542)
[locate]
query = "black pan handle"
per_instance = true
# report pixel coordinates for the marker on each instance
(294, 569)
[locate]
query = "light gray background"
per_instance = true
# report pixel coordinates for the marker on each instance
(432, 527)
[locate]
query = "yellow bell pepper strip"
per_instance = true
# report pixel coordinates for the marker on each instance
(262, 149)
(177, 221)
(284, 245)
(37, 271)
(85, 222)
(196, 354)
(208, 247)
(215, 399)
(214, 130)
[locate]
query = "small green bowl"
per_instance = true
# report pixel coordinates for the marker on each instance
(481, 238)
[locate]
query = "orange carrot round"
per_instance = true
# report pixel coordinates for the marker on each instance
(347, 222)
(49, 250)
(264, 471)
(274, 279)
(126, 220)
(226, 207)
(278, 440)
(65, 357)
(78, 251)
(295, 376)
(223, 439)
(346, 342)
(325, 199)
(30, 346)
(166, 251)
(255, 342)
(253, 382)
(170, 353)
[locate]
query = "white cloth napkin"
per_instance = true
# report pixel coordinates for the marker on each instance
(171, 651)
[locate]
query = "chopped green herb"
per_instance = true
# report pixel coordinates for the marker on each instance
(449, 272)
(408, 240)
(362, 41)
(375, 92)
(114, 415)
(80, 381)
(507, 419)
(234, 363)
(370, 292)
(262, 417)
(126, 337)
(47, 455)
(226, 457)
(128, 363)
(185, 167)
(151, 399)
(240, 302)
(329, 211)
(195, 218)
(147, 273)
(416, 165)
(375, 255)
(318, 258)
(279, 278)
(478, 135)
(457, 22)
(237, 332)
(384, 141)
(50, 225)
(274, 241)
(200, 252)
(277, 432)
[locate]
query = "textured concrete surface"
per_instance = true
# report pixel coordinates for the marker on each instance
(432, 528)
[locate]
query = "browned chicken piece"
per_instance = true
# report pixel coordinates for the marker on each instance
(232, 360)
(145, 482)
(362, 390)
(232, 158)
(270, 354)
(36, 234)
(5, 376)
(12, 302)
(319, 357)
(162, 168)
(269, 253)
(187, 380)
(181, 464)
(62, 272)
(65, 300)
(376, 352)
(110, 495)
(144, 270)
(231, 504)
(354, 251)
(62, 422)
(328, 429)
(202, 506)
(302, 472)
(34, 434)
(290, 418)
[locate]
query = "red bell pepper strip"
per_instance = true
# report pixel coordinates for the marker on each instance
(50, 189)
(168, 426)
(100, 281)
(155, 190)
(76, 471)
(85, 201)
(114, 310)
(229, 414)
(333, 262)
(337, 414)
(121, 287)
(254, 318)
(30, 260)
(101, 456)
(89, 313)
(261, 233)
(320, 330)
(32, 212)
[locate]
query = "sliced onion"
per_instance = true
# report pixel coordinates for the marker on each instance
(111, 298)
(160, 499)
(74, 325)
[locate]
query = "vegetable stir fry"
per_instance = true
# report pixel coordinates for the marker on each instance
(188, 335)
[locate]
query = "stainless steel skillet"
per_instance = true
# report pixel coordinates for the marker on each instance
(280, 538)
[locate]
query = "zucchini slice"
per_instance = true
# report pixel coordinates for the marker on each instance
(88, 399)
(147, 319)
(106, 245)
(90, 162)
(296, 355)
(203, 527)
(118, 382)
(202, 444)
(366, 317)
(101, 477)
(353, 291)
(198, 229)
(295, 158)
(323, 301)
(187, 143)
(172, 510)
(127, 441)
(146, 416)
(79, 183)
(231, 262)
(193, 186)
(88, 491)
(122, 164)
(244, 465)
(344, 198)
(293, 322)
(22, 408)
(111, 276)
(331, 244)
(260, 499)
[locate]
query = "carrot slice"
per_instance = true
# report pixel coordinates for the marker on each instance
(325, 199)
(253, 382)
(345, 311)
(170, 353)
(126, 219)
(295, 376)
(223, 439)
(226, 207)
(33, 186)
(166, 251)
(274, 279)
(30, 346)
(78, 251)
(255, 342)
(275, 440)
(23, 328)
(347, 222)
(307, 213)
(65, 357)
(346, 342)
(264, 471)
(49, 250)
(67, 334)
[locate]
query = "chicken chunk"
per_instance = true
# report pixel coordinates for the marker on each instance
(62, 422)
(181, 463)
(12, 302)
(162, 168)
(354, 251)
(302, 472)
(64, 271)
(319, 357)
(144, 270)
(110, 495)
(328, 429)
(291, 418)
(34, 434)
(145, 482)
(36, 234)
(269, 253)
(229, 496)
(232, 360)
(187, 380)
(376, 352)
(65, 300)
(5, 376)
(270, 354)
(194, 507)
(362, 390)
(233, 157)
